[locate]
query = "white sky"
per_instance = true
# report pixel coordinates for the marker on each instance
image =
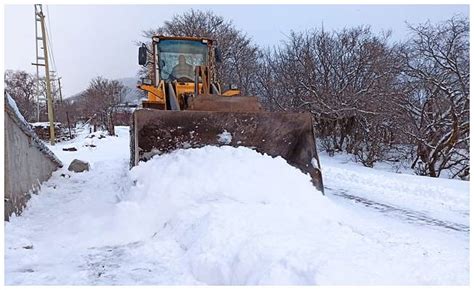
(92, 40)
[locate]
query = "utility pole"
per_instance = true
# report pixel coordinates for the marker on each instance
(38, 7)
(39, 17)
(57, 89)
(60, 90)
(54, 89)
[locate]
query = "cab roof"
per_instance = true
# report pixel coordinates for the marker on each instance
(193, 38)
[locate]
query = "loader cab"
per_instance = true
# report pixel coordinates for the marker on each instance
(177, 59)
(179, 69)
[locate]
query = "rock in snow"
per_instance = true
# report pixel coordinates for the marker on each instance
(78, 166)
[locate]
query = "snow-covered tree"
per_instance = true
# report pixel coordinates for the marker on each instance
(345, 79)
(436, 75)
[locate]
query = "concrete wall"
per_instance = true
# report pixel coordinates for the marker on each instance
(28, 162)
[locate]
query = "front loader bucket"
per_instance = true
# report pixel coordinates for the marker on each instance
(289, 135)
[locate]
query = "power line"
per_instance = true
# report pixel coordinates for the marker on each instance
(50, 52)
(54, 69)
(49, 33)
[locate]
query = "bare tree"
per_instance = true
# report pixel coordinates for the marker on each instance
(436, 69)
(20, 85)
(100, 101)
(345, 79)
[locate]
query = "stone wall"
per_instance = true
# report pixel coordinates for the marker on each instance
(28, 162)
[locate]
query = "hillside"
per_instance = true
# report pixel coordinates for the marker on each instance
(133, 96)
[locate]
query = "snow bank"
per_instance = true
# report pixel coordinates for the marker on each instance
(440, 197)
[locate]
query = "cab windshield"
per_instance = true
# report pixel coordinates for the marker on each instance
(178, 58)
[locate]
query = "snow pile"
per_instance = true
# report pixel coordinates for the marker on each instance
(235, 213)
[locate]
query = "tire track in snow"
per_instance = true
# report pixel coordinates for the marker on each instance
(408, 215)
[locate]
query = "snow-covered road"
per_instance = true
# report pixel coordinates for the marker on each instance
(233, 216)
(437, 202)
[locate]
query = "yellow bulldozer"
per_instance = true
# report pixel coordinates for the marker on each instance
(187, 108)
